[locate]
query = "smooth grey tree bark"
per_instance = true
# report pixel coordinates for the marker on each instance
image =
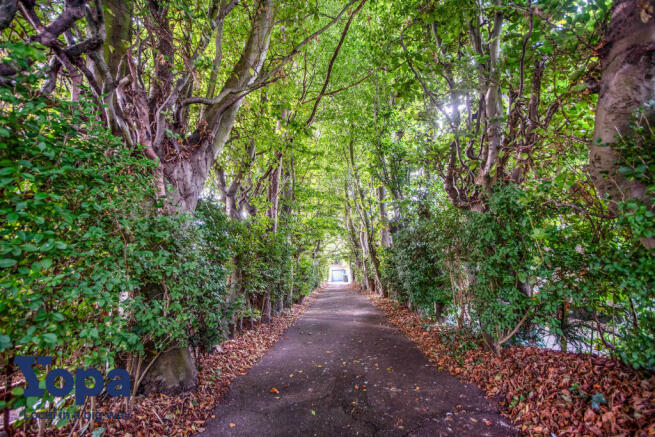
(175, 370)
(385, 235)
(369, 243)
(627, 85)
(188, 176)
(358, 250)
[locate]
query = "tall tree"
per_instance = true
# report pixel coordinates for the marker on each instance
(142, 63)
(627, 85)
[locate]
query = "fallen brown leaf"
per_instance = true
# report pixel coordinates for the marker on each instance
(534, 385)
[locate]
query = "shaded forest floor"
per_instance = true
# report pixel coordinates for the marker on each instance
(543, 392)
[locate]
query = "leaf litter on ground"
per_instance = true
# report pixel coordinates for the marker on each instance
(187, 413)
(544, 392)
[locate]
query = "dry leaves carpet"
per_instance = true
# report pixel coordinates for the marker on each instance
(544, 392)
(186, 414)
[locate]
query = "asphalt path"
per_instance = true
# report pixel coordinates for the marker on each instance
(343, 370)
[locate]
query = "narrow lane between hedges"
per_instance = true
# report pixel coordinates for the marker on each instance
(342, 369)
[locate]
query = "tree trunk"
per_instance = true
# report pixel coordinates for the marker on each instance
(267, 308)
(274, 194)
(627, 84)
(385, 236)
(175, 370)
(564, 321)
(493, 107)
(361, 208)
(294, 267)
(375, 261)
(352, 234)
(188, 176)
(368, 284)
(273, 201)
(438, 311)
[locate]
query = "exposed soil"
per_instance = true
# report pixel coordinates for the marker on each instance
(342, 369)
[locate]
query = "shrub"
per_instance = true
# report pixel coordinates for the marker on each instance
(92, 272)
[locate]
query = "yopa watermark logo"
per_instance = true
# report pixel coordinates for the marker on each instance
(117, 384)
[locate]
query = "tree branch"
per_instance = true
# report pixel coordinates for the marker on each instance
(331, 63)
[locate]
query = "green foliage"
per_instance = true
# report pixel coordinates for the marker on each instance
(66, 225)
(418, 262)
(506, 262)
(95, 268)
(307, 277)
(91, 268)
(542, 260)
(534, 270)
(269, 265)
(629, 262)
(264, 259)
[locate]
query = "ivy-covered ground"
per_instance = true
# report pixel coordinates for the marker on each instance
(544, 392)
